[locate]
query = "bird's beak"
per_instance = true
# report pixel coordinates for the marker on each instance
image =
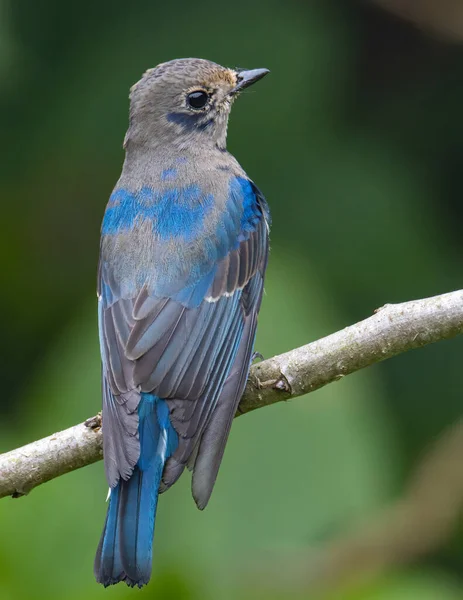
(246, 78)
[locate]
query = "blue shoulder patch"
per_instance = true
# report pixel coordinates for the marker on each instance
(242, 215)
(242, 192)
(178, 212)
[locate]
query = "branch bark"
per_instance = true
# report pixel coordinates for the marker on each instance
(392, 330)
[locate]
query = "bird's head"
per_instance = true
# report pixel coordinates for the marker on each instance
(185, 102)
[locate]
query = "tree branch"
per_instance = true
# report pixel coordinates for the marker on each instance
(394, 329)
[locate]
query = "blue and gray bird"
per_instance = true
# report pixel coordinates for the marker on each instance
(182, 261)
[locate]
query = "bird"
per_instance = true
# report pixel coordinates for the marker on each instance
(183, 254)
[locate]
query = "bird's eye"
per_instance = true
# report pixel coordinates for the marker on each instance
(198, 99)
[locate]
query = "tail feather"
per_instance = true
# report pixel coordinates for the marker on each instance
(108, 564)
(126, 546)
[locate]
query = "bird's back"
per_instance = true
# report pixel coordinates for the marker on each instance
(169, 221)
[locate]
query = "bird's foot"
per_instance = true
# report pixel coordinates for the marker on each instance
(94, 422)
(255, 356)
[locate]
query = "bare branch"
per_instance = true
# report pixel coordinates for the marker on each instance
(23, 469)
(394, 329)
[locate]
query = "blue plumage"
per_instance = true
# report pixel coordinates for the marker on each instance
(182, 261)
(173, 212)
(127, 540)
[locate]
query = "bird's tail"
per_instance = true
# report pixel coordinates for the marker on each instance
(126, 545)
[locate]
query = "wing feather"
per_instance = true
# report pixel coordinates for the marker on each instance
(183, 348)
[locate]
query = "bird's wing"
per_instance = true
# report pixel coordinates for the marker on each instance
(183, 348)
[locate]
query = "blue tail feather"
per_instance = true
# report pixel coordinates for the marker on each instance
(126, 545)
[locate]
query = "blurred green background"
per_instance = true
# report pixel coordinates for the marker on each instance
(356, 139)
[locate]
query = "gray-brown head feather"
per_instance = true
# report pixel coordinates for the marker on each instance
(159, 111)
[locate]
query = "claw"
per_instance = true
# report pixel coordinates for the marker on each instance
(256, 355)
